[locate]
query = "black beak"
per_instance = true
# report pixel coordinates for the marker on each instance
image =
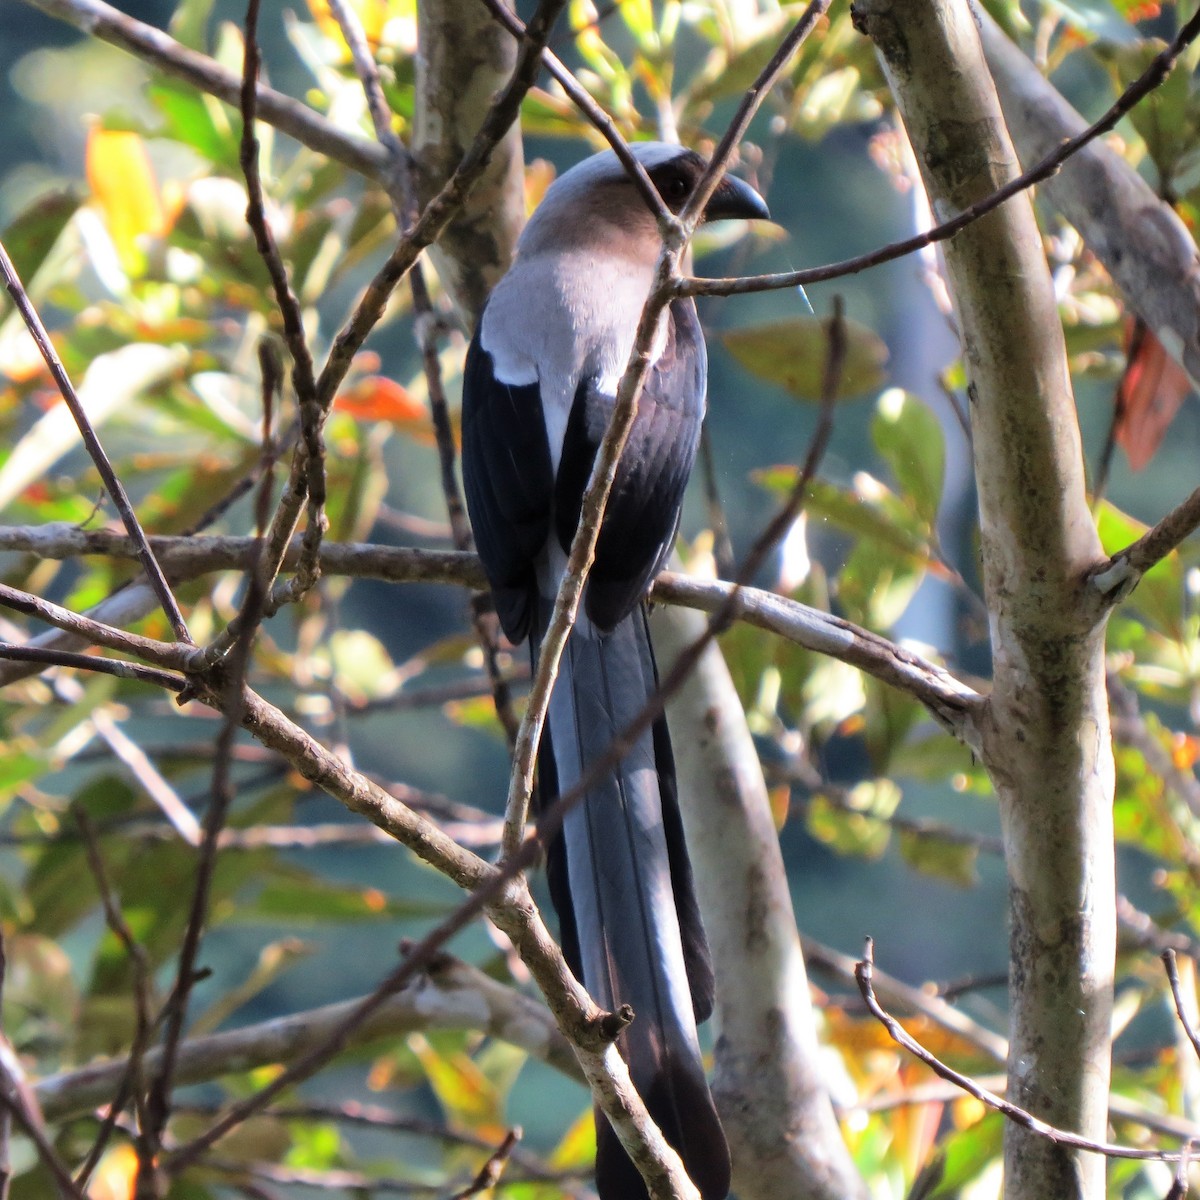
(736, 198)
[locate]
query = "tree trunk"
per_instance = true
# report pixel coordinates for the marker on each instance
(1046, 737)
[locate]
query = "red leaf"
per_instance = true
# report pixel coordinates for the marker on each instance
(377, 398)
(1148, 396)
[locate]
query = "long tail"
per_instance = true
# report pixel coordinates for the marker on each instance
(622, 884)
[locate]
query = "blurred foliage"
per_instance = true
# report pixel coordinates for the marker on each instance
(142, 264)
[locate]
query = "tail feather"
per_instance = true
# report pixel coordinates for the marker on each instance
(622, 884)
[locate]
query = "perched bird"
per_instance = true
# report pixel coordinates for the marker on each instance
(538, 390)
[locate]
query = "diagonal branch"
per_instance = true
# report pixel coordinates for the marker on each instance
(309, 128)
(112, 484)
(955, 705)
(448, 994)
(1154, 75)
(1059, 1137)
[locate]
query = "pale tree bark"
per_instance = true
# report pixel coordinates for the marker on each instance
(1138, 237)
(463, 58)
(1046, 742)
(770, 1087)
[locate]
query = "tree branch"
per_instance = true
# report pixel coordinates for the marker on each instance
(449, 994)
(1058, 150)
(953, 704)
(1046, 740)
(1019, 1116)
(108, 24)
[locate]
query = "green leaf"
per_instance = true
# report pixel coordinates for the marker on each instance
(963, 1155)
(876, 585)
(195, 120)
(951, 861)
(1159, 594)
(32, 235)
(868, 510)
(793, 352)
(857, 824)
(909, 439)
(890, 714)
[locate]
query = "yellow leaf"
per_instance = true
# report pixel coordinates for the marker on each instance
(373, 14)
(116, 1175)
(123, 185)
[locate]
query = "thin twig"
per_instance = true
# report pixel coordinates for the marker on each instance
(249, 616)
(1060, 1137)
(19, 1102)
(600, 120)
(1168, 957)
(309, 128)
(172, 656)
(312, 446)
(1121, 573)
(442, 208)
(490, 1173)
(91, 662)
(427, 329)
(1159, 68)
(131, 1080)
(95, 450)
(1180, 1185)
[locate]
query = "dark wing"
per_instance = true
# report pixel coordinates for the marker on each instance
(643, 508)
(508, 481)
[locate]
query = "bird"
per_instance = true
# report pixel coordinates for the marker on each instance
(539, 386)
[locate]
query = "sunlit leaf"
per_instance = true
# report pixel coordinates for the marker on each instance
(377, 398)
(111, 383)
(32, 234)
(909, 439)
(467, 1096)
(939, 857)
(1159, 594)
(116, 1174)
(793, 353)
(196, 120)
(858, 825)
(123, 185)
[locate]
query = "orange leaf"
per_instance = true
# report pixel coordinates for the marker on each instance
(122, 182)
(377, 398)
(1185, 750)
(1148, 397)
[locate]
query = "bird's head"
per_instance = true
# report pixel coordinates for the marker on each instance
(598, 195)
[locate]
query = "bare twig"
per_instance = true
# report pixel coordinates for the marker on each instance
(1060, 1137)
(1151, 78)
(90, 662)
(19, 1101)
(1116, 578)
(443, 206)
(108, 24)
(954, 704)
(1168, 957)
(131, 1079)
(451, 995)
(112, 484)
(172, 656)
(427, 328)
(312, 447)
(604, 124)
(490, 1173)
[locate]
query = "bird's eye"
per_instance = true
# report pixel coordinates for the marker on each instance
(677, 187)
